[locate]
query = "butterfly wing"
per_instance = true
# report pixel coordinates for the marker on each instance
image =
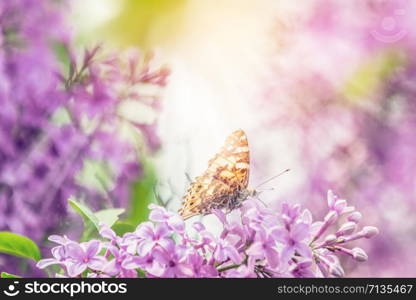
(226, 175)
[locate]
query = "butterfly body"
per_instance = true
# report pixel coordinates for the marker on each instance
(224, 183)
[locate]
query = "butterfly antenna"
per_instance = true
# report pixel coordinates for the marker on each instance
(271, 178)
(267, 189)
(188, 177)
(258, 198)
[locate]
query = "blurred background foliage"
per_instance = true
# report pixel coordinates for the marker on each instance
(126, 23)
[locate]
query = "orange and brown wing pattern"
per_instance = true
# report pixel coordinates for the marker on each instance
(227, 174)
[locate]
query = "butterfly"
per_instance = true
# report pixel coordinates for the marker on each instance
(224, 183)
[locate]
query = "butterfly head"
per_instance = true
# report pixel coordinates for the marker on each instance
(244, 194)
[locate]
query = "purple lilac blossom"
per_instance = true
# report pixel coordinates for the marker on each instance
(42, 155)
(357, 98)
(264, 244)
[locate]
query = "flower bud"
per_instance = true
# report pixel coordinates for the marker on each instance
(198, 226)
(331, 217)
(369, 231)
(359, 254)
(330, 239)
(346, 229)
(340, 204)
(336, 270)
(354, 217)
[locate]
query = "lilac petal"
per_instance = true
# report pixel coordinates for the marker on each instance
(107, 232)
(46, 262)
(256, 249)
(177, 223)
(59, 252)
(153, 206)
(165, 244)
(185, 269)
(234, 255)
(129, 242)
(315, 227)
(280, 235)
(97, 262)
(306, 217)
(157, 214)
(304, 250)
(198, 226)
(129, 236)
(75, 251)
(221, 216)
(272, 257)
(161, 257)
(287, 253)
(161, 231)
(134, 262)
(111, 268)
(261, 234)
(251, 262)
(300, 232)
(114, 251)
(76, 269)
(145, 247)
(339, 205)
(220, 254)
(156, 270)
(92, 248)
(145, 230)
(58, 239)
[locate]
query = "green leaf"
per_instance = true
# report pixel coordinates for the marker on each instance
(18, 245)
(87, 215)
(371, 75)
(109, 216)
(142, 195)
(8, 275)
(141, 273)
(62, 54)
(122, 227)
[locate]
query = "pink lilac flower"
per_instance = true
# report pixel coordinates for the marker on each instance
(264, 247)
(172, 262)
(361, 112)
(172, 220)
(42, 156)
(295, 240)
(289, 248)
(225, 251)
(151, 236)
(83, 256)
(59, 253)
(115, 267)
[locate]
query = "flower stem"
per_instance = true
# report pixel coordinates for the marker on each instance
(233, 266)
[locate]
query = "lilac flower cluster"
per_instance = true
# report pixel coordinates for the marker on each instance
(56, 117)
(262, 243)
(362, 112)
(28, 96)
